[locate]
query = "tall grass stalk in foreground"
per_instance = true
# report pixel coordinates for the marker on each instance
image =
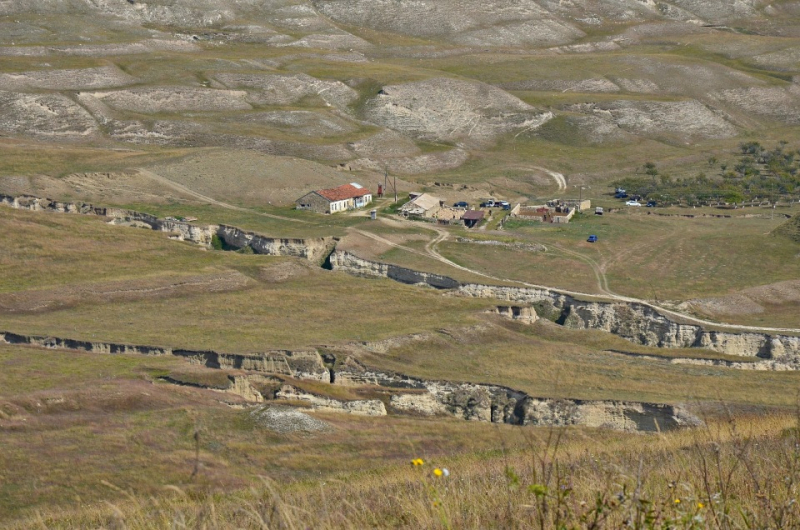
(731, 474)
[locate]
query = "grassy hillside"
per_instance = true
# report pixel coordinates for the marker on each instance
(790, 229)
(229, 110)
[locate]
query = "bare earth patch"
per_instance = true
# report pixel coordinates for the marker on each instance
(287, 420)
(73, 79)
(772, 102)
(302, 122)
(452, 110)
(175, 99)
(286, 89)
(471, 22)
(284, 271)
(44, 115)
(686, 118)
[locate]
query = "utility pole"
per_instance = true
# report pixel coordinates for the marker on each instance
(386, 181)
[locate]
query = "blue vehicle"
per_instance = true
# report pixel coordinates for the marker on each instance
(592, 239)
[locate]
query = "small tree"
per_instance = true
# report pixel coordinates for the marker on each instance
(733, 197)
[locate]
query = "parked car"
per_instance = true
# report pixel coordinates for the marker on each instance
(488, 204)
(633, 203)
(461, 204)
(505, 205)
(592, 239)
(598, 210)
(621, 195)
(651, 204)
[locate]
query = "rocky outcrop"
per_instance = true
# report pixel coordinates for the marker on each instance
(27, 202)
(312, 249)
(301, 364)
(642, 324)
(80, 345)
(469, 401)
(636, 322)
(498, 404)
(241, 386)
(350, 263)
(361, 407)
(524, 314)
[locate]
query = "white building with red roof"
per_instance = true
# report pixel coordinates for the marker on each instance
(333, 200)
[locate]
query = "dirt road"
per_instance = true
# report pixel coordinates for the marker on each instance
(205, 198)
(602, 282)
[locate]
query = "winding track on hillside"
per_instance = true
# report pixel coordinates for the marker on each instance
(210, 200)
(561, 181)
(443, 234)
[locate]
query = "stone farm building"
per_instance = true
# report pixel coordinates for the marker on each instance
(345, 197)
(422, 205)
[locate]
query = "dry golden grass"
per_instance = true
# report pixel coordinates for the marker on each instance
(729, 475)
(46, 250)
(71, 421)
(549, 361)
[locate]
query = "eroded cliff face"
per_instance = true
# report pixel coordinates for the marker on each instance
(81, 345)
(523, 314)
(313, 249)
(300, 364)
(345, 261)
(636, 322)
(359, 407)
(499, 404)
(468, 401)
(642, 324)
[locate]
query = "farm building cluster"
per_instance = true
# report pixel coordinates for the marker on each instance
(555, 211)
(342, 198)
(426, 206)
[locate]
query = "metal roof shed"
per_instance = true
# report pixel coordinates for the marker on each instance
(473, 217)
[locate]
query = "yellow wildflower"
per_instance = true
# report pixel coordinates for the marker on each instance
(438, 472)
(417, 462)
(701, 505)
(677, 501)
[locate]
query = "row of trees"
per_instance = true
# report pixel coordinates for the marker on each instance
(756, 174)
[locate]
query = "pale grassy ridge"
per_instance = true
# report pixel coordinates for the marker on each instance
(731, 474)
